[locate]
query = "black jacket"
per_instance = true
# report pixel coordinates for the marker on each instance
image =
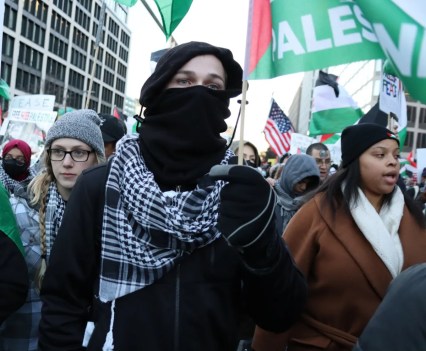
(194, 307)
(13, 277)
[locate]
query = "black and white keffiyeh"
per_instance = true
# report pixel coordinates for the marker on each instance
(145, 231)
(9, 183)
(55, 207)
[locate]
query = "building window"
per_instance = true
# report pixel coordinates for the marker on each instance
(82, 19)
(30, 57)
(124, 54)
(122, 70)
(32, 31)
(110, 61)
(6, 71)
(112, 44)
(37, 8)
(55, 69)
(10, 17)
(87, 4)
(64, 5)
(52, 88)
(113, 27)
(422, 118)
(60, 24)
(106, 95)
(78, 59)
(8, 45)
(119, 101)
(411, 116)
(421, 140)
(120, 85)
(80, 39)
(76, 80)
(27, 82)
(125, 39)
(109, 78)
(58, 47)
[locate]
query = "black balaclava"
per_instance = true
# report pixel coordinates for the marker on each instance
(15, 169)
(180, 133)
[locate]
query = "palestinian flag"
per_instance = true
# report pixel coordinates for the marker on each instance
(332, 107)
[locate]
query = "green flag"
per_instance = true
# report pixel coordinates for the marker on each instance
(400, 27)
(172, 12)
(4, 90)
(128, 3)
(8, 223)
(333, 108)
(306, 35)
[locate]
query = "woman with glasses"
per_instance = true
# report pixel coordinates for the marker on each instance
(15, 166)
(73, 144)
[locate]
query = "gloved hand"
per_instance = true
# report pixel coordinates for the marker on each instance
(246, 213)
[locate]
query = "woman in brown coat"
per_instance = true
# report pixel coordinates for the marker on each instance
(351, 240)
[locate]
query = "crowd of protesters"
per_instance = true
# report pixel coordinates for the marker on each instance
(162, 240)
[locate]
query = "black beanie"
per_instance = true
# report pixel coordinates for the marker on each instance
(358, 138)
(176, 57)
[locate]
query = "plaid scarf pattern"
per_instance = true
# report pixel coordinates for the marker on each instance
(55, 208)
(146, 231)
(11, 184)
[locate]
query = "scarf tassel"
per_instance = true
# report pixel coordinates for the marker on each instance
(109, 340)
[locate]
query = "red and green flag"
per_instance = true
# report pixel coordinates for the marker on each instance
(286, 36)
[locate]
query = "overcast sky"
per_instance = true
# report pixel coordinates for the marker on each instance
(219, 22)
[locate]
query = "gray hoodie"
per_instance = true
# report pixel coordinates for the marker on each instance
(297, 168)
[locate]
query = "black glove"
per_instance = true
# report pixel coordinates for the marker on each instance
(246, 213)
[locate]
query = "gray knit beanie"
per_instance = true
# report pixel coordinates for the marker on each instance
(82, 125)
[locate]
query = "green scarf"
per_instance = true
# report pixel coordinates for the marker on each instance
(8, 223)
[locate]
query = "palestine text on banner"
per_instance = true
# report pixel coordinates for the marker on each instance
(311, 34)
(278, 130)
(333, 108)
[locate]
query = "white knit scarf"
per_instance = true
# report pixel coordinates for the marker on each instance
(381, 229)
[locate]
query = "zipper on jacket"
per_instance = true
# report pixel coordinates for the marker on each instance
(177, 308)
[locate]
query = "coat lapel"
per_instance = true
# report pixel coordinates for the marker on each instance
(344, 229)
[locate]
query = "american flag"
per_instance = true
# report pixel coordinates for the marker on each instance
(278, 130)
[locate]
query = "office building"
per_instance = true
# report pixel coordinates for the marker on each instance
(49, 47)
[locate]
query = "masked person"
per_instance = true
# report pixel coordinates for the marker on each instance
(15, 168)
(73, 143)
(250, 153)
(145, 250)
(356, 235)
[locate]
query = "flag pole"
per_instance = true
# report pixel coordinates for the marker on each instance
(242, 118)
(154, 17)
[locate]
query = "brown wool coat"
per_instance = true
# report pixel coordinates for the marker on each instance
(346, 278)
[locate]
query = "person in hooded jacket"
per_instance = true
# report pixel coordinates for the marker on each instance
(15, 171)
(356, 234)
(165, 246)
(300, 175)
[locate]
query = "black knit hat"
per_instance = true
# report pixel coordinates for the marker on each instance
(176, 57)
(358, 138)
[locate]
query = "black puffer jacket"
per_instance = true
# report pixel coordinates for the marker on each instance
(194, 307)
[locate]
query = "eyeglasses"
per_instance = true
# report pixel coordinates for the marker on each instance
(20, 160)
(76, 155)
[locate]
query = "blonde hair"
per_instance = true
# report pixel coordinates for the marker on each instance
(38, 189)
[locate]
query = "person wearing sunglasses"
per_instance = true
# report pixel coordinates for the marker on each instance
(73, 144)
